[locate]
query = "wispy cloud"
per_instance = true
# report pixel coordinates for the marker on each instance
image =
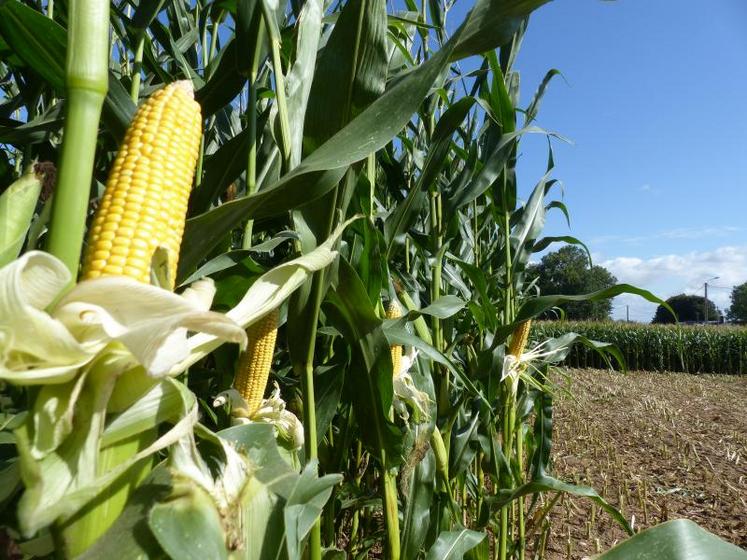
(667, 275)
(649, 189)
(671, 234)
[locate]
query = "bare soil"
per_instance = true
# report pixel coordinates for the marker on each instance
(658, 446)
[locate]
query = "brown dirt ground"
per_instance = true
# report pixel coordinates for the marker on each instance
(658, 446)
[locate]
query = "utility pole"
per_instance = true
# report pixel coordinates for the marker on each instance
(627, 314)
(705, 301)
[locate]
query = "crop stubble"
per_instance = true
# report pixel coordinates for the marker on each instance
(659, 445)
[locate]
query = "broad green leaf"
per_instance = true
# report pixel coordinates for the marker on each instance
(417, 510)
(679, 539)
(10, 479)
(542, 435)
(351, 72)
(371, 372)
(299, 80)
(490, 24)
(328, 383)
(36, 39)
(534, 306)
(304, 506)
(544, 242)
(444, 307)
(533, 108)
(530, 224)
(205, 231)
(453, 545)
(187, 525)
(464, 444)
(129, 536)
(550, 484)
(38, 130)
(42, 45)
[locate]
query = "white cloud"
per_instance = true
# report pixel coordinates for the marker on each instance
(668, 275)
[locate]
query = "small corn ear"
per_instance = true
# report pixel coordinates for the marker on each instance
(145, 202)
(519, 339)
(254, 365)
(394, 311)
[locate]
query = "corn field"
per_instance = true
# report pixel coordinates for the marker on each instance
(686, 348)
(262, 284)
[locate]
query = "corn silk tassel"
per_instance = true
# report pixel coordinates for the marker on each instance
(246, 398)
(518, 357)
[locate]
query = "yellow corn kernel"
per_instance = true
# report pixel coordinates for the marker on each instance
(519, 339)
(145, 202)
(394, 311)
(254, 363)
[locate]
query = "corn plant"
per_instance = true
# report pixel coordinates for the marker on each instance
(274, 303)
(687, 348)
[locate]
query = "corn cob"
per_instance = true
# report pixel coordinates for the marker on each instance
(147, 191)
(254, 363)
(394, 311)
(519, 339)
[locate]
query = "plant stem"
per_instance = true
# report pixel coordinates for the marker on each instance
(371, 175)
(137, 65)
(86, 82)
(251, 162)
(277, 67)
(436, 243)
(509, 419)
(391, 509)
(521, 500)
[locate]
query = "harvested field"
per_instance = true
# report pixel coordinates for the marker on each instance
(657, 445)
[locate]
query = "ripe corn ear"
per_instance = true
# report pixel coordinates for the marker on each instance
(519, 339)
(254, 363)
(394, 311)
(145, 202)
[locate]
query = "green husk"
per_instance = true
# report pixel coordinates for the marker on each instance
(17, 205)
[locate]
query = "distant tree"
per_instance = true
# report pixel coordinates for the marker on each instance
(567, 271)
(687, 308)
(738, 309)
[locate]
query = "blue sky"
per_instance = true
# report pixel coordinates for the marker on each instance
(653, 98)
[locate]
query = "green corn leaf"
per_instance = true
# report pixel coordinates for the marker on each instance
(366, 133)
(351, 312)
(453, 545)
(679, 539)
